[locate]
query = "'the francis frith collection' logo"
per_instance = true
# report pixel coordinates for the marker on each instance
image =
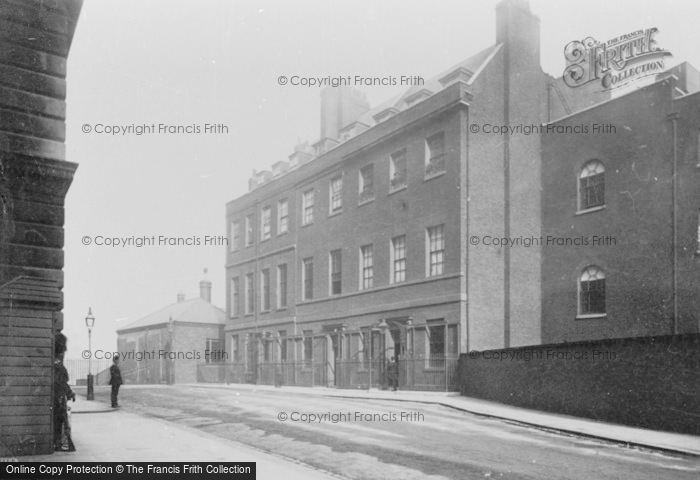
(616, 62)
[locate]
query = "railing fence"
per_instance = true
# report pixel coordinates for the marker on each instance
(429, 373)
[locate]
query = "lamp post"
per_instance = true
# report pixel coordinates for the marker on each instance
(90, 322)
(171, 365)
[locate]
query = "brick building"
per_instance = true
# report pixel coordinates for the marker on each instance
(358, 247)
(35, 39)
(166, 346)
(636, 271)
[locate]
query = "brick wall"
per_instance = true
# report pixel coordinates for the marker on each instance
(648, 382)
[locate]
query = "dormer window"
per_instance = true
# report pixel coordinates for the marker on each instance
(414, 98)
(385, 114)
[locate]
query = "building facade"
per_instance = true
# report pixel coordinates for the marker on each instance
(35, 39)
(361, 245)
(629, 195)
(168, 345)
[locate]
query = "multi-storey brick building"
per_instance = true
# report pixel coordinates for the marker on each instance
(360, 245)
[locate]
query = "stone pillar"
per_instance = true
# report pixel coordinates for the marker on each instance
(35, 38)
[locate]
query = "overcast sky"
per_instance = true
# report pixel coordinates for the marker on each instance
(179, 62)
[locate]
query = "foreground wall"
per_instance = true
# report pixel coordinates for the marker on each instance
(649, 382)
(35, 38)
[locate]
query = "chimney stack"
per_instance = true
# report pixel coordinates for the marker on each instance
(205, 288)
(340, 106)
(180, 297)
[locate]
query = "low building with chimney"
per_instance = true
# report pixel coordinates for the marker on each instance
(167, 345)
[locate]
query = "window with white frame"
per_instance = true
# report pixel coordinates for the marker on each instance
(592, 291)
(307, 207)
(265, 223)
(435, 155)
(398, 259)
(397, 171)
(336, 194)
(265, 289)
(249, 233)
(249, 294)
(212, 351)
(592, 185)
(366, 267)
(308, 351)
(336, 274)
(366, 183)
(436, 251)
(235, 235)
(307, 274)
(282, 285)
(435, 332)
(235, 297)
(282, 216)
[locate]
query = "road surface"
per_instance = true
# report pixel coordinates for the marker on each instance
(385, 439)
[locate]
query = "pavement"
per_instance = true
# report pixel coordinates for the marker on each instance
(104, 434)
(631, 436)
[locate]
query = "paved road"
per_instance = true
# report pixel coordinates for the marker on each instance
(370, 440)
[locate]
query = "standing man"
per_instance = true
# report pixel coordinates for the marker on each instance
(115, 380)
(393, 374)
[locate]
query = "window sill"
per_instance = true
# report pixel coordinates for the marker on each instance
(365, 202)
(428, 275)
(398, 189)
(265, 240)
(307, 224)
(590, 210)
(591, 316)
(279, 234)
(265, 311)
(434, 175)
(333, 214)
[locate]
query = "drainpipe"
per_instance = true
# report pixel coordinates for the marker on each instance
(674, 220)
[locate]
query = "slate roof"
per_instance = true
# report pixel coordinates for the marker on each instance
(196, 310)
(474, 64)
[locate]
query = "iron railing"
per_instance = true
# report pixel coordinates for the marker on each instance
(412, 372)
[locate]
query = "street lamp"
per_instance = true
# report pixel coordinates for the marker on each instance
(170, 359)
(90, 322)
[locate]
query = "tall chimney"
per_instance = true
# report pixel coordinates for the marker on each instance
(205, 288)
(180, 297)
(340, 106)
(524, 89)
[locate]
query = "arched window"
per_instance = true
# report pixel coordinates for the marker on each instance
(592, 291)
(592, 185)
